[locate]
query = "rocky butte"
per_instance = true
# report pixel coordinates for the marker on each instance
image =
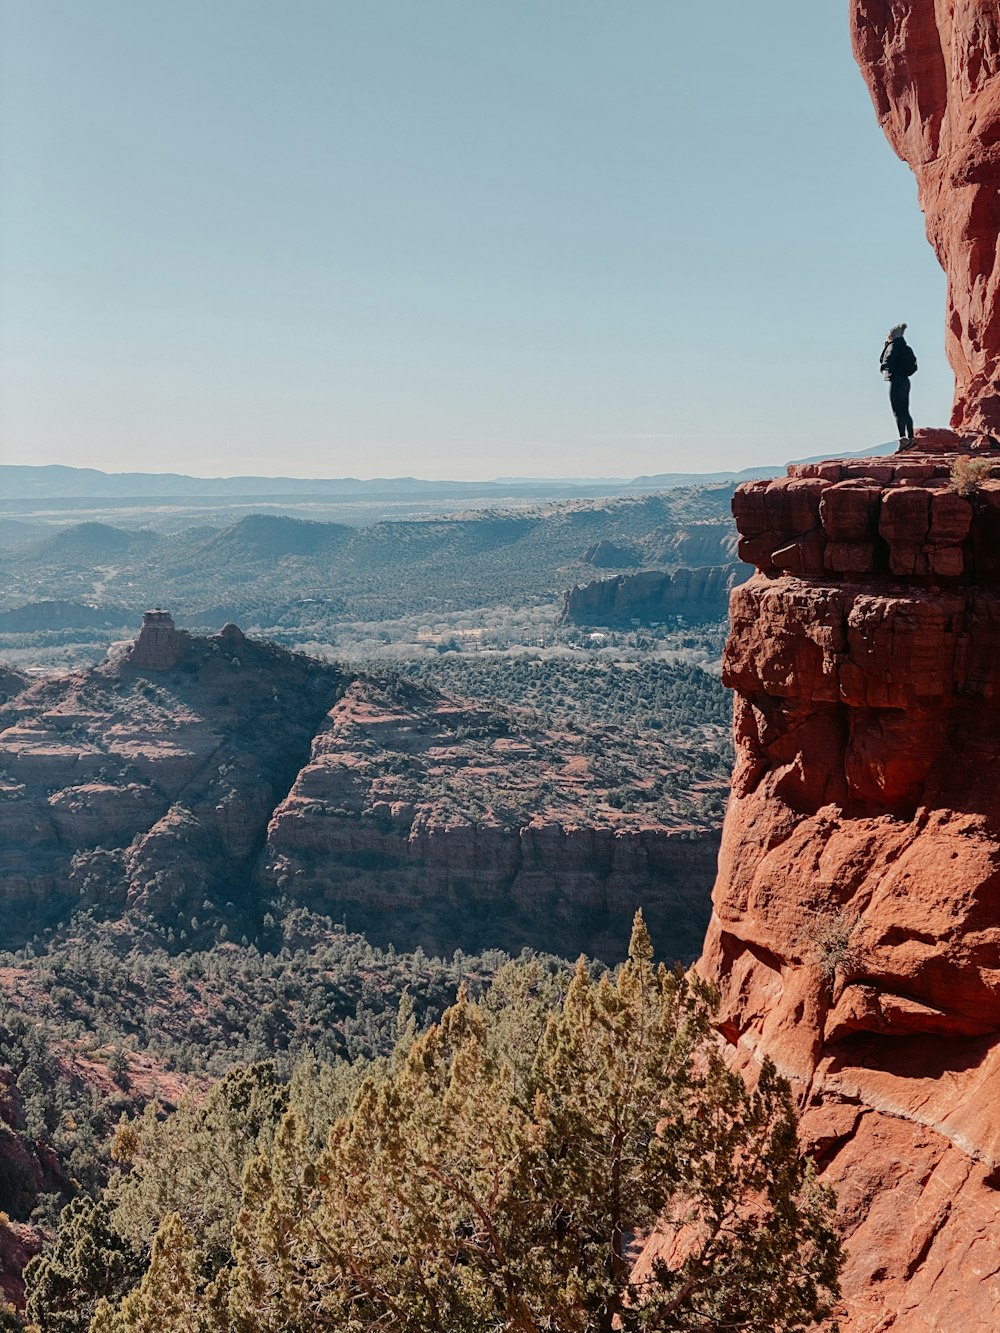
(932, 70)
(855, 937)
(191, 775)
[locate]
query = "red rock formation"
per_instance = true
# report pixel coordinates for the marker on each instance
(19, 1242)
(179, 772)
(159, 645)
(435, 826)
(855, 937)
(425, 823)
(933, 70)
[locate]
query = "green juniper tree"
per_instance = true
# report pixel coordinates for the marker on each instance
(88, 1260)
(482, 1182)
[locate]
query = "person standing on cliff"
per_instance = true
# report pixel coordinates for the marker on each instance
(897, 364)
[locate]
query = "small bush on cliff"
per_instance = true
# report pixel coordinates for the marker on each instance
(968, 474)
(831, 938)
(10, 1320)
(484, 1181)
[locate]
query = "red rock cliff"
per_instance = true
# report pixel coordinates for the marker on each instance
(933, 70)
(855, 936)
(379, 827)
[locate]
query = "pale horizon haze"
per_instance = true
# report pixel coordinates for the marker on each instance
(449, 240)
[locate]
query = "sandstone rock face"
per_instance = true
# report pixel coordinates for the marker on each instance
(24, 1172)
(160, 644)
(424, 824)
(855, 936)
(18, 1243)
(245, 772)
(933, 70)
(137, 784)
(608, 555)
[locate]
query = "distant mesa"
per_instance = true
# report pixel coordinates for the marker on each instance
(58, 614)
(98, 541)
(653, 596)
(273, 536)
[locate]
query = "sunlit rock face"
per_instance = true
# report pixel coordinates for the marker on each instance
(933, 69)
(855, 937)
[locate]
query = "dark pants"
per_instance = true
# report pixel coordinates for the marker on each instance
(899, 401)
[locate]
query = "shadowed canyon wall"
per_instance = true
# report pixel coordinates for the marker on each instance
(933, 70)
(855, 936)
(652, 596)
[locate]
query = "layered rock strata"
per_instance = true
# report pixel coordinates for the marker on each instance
(426, 821)
(141, 784)
(160, 644)
(855, 937)
(933, 70)
(198, 792)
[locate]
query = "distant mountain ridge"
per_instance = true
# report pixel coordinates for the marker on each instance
(264, 562)
(55, 481)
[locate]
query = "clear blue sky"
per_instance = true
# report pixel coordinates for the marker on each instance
(449, 238)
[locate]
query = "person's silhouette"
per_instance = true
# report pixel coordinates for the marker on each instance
(897, 364)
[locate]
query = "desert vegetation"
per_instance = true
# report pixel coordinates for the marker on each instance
(489, 1171)
(155, 1059)
(968, 474)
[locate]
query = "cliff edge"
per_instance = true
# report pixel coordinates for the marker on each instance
(855, 936)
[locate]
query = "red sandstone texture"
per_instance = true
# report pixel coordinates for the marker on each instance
(160, 644)
(855, 936)
(933, 70)
(242, 767)
(141, 783)
(425, 818)
(19, 1242)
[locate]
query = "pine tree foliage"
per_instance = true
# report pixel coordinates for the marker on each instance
(191, 1163)
(496, 1174)
(168, 1296)
(10, 1319)
(90, 1259)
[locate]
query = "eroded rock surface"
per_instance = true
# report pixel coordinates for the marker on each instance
(429, 821)
(204, 790)
(855, 937)
(142, 784)
(933, 70)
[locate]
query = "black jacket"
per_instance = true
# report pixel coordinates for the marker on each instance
(897, 361)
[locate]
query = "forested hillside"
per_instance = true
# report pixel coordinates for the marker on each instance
(420, 1184)
(264, 563)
